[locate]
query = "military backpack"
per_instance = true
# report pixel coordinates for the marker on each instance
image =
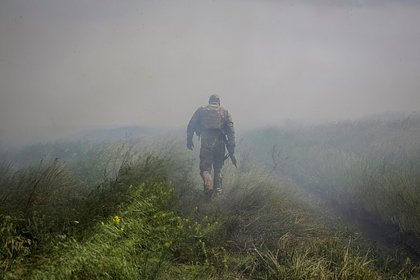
(211, 117)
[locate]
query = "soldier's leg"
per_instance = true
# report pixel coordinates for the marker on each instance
(218, 180)
(205, 169)
(217, 167)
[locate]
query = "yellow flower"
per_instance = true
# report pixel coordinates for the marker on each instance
(102, 223)
(116, 220)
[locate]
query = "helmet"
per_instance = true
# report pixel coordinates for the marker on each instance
(214, 98)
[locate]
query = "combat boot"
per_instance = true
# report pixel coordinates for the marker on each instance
(218, 185)
(208, 184)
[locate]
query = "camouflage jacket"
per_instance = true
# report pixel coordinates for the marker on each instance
(196, 124)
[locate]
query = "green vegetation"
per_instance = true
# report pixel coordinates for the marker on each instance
(366, 170)
(138, 212)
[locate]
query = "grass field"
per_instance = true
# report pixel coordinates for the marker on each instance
(118, 211)
(368, 168)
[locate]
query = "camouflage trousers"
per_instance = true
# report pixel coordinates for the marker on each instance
(212, 155)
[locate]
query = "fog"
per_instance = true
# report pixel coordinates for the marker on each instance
(67, 66)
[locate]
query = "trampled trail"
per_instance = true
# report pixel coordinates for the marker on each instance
(388, 238)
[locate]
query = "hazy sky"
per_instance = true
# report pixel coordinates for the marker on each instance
(68, 65)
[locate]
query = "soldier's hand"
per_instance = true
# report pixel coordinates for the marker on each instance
(190, 145)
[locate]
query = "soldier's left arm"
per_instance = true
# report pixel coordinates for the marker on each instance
(192, 125)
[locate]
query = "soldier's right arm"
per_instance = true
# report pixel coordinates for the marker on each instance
(230, 132)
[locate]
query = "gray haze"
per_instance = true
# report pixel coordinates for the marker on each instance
(71, 65)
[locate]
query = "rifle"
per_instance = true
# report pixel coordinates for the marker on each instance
(229, 155)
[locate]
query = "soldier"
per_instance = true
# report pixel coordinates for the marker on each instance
(214, 125)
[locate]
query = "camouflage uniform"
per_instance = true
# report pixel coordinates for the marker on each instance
(212, 150)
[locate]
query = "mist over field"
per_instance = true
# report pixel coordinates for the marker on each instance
(68, 66)
(97, 180)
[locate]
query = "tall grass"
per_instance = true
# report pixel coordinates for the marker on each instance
(367, 169)
(150, 220)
